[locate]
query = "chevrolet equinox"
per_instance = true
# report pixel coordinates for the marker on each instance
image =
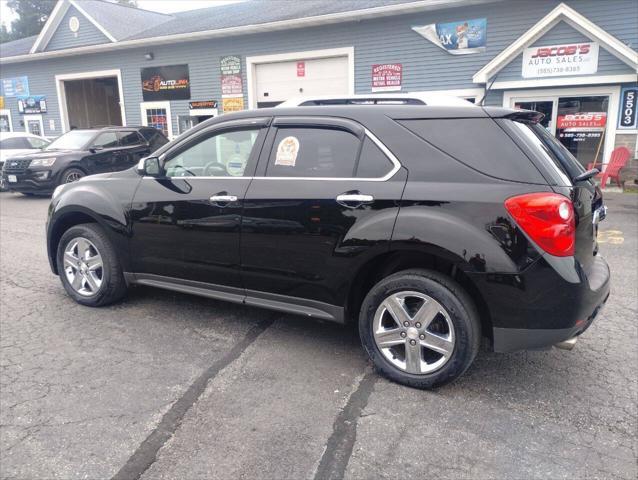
(430, 226)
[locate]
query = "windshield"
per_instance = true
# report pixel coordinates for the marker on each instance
(73, 140)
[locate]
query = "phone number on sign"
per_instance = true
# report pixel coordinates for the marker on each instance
(570, 69)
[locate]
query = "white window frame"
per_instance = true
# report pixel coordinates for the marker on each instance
(252, 62)
(613, 91)
(30, 117)
(59, 85)
(7, 112)
(163, 104)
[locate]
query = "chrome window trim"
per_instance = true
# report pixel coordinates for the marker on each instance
(386, 151)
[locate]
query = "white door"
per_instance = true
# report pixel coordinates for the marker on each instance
(33, 124)
(158, 115)
(279, 81)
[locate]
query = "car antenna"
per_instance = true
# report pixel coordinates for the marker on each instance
(487, 90)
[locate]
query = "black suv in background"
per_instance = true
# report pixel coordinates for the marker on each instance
(78, 153)
(429, 226)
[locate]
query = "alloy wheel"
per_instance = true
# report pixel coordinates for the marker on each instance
(83, 266)
(72, 177)
(414, 332)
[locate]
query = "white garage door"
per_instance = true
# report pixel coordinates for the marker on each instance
(277, 82)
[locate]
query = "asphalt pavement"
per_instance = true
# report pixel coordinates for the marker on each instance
(166, 386)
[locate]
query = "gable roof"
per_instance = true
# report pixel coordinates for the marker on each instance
(562, 13)
(121, 24)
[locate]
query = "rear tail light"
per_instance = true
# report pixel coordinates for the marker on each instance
(548, 219)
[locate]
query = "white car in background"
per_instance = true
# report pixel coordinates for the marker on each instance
(431, 99)
(16, 143)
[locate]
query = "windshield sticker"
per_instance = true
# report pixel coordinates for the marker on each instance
(287, 152)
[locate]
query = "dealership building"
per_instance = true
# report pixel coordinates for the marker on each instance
(98, 63)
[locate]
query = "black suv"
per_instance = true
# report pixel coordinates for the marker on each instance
(78, 153)
(429, 226)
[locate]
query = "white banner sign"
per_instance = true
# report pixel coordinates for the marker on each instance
(560, 60)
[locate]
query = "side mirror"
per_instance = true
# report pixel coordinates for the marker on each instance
(149, 167)
(95, 149)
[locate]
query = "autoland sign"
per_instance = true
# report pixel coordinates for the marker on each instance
(166, 83)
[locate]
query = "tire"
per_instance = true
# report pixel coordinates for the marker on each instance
(454, 328)
(108, 284)
(71, 175)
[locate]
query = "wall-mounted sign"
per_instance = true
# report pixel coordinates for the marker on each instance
(32, 104)
(15, 87)
(582, 120)
(202, 104)
(1, 102)
(232, 85)
(232, 104)
(457, 38)
(627, 112)
(166, 83)
(387, 77)
(560, 60)
(230, 65)
(301, 69)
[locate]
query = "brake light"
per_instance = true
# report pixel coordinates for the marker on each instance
(548, 219)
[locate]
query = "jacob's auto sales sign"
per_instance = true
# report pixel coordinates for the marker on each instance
(560, 60)
(582, 120)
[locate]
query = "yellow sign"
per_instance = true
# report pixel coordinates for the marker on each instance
(1, 103)
(232, 104)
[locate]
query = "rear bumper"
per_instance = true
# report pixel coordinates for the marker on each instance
(539, 308)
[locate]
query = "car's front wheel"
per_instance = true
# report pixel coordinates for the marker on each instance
(420, 328)
(88, 266)
(71, 175)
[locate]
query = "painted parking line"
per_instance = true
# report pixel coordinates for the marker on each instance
(615, 237)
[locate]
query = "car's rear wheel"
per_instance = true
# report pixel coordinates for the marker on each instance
(88, 266)
(71, 175)
(420, 328)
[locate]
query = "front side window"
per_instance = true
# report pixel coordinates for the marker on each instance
(73, 140)
(106, 140)
(313, 152)
(225, 154)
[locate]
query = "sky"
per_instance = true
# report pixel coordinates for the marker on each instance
(163, 6)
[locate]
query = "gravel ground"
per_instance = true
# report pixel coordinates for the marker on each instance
(169, 386)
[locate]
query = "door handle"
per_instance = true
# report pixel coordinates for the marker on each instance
(353, 200)
(222, 199)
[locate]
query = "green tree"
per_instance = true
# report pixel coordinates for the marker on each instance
(32, 15)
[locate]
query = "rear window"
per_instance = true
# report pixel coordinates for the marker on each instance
(558, 153)
(478, 143)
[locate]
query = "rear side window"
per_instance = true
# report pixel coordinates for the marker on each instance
(154, 137)
(373, 163)
(313, 152)
(478, 143)
(129, 139)
(37, 142)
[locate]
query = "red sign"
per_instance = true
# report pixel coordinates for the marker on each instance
(582, 120)
(301, 69)
(387, 77)
(232, 85)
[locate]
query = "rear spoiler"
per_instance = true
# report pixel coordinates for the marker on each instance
(526, 116)
(529, 116)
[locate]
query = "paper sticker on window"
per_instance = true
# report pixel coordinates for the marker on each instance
(287, 152)
(235, 166)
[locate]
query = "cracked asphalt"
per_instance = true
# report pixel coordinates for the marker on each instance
(168, 386)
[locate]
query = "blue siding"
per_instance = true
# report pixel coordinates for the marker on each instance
(563, 33)
(388, 39)
(88, 34)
